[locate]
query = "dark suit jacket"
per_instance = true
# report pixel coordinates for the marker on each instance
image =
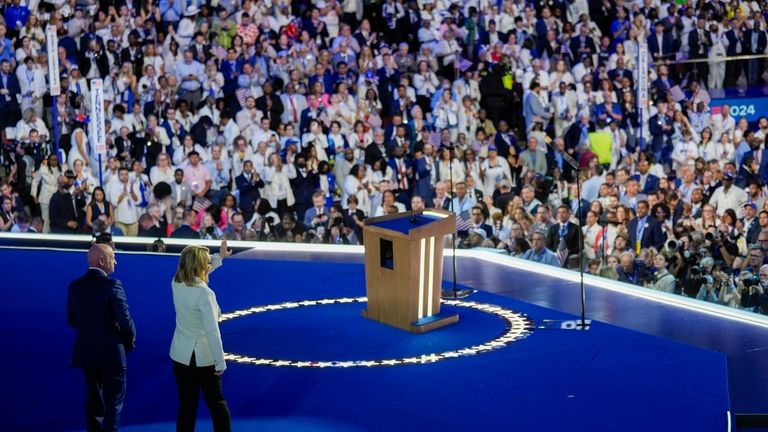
(617, 74)
(97, 308)
(694, 42)
(10, 103)
(762, 40)
(137, 60)
(651, 183)
(571, 238)
(573, 134)
(763, 171)
(274, 111)
(63, 210)
(576, 44)
(102, 63)
(667, 48)
(753, 230)
(652, 235)
(185, 232)
(485, 37)
(249, 192)
(659, 137)
(503, 146)
(733, 38)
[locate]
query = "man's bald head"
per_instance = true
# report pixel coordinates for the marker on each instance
(101, 256)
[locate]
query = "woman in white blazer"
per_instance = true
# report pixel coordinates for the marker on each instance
(196, 349)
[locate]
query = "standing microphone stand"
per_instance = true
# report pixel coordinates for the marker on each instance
(455, 293)
(583, 323)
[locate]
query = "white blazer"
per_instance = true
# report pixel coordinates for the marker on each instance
(197, 323)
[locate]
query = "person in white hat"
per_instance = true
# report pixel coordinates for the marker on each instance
(187, 26)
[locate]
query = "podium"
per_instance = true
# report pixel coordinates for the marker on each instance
(404, 269)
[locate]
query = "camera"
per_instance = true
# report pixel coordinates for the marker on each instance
(751, 281)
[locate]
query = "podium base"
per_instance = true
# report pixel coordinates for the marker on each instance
(434, 322)
(423, 325)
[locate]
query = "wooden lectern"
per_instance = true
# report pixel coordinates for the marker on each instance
(404, 269)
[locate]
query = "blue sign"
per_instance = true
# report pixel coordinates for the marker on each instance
(750, 108)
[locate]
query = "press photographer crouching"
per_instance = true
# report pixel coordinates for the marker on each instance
(752, 291)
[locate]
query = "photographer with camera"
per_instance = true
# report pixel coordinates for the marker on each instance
(753, 291)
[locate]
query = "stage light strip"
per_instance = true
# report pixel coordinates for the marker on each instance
(423, 251)
(430, 293)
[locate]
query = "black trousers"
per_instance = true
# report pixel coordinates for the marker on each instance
(105, 393)
(190, 380)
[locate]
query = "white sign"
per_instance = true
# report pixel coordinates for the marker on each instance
(642, 81)
(98, 129)
(52, 46)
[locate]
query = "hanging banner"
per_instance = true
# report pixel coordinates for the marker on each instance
(98, 129)
(642, 78)
(52, 48)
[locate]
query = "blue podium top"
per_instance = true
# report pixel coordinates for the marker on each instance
(405, 224)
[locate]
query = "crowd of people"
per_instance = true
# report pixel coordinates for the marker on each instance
(296, 120)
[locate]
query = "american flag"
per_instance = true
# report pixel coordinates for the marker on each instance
(242, 95)
(677, 93)
(374, 121)
(219, 52)
(463, 224)
(435, 138)
(464, 65)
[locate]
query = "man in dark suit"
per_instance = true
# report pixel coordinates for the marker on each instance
(492, 35)
(505, 139)
(248, 183)
(756, 41)
(313, 111)
(578, 133)
(761, 155)
(583, 45)
(317, 215)
(304, 186)
(98, 310)
(750, 222)
(645, 229)
(661, 128)
(95, 55)
(647, 181)
(186, 231)
(563, 230)
(737, 46)
(700, 41)
(402, 171)
(65, 210)
(661, 44)
(10, 113)
(134, 54)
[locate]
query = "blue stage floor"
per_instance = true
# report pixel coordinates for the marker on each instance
(606, 379)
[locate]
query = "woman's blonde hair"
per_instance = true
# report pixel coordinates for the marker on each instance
(193, 263)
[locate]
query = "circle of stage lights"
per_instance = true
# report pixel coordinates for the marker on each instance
(518, 326)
